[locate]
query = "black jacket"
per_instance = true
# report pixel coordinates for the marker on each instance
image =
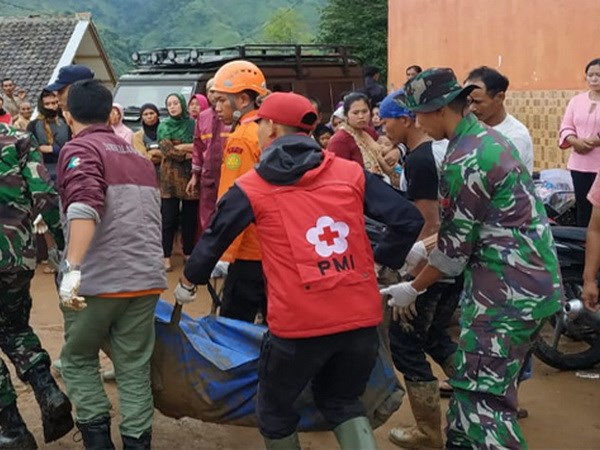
(284, 162)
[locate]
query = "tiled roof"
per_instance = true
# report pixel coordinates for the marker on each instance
(31, 47)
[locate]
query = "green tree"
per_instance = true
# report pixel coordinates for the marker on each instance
(118, 49)
(360, 24)
(285, 26)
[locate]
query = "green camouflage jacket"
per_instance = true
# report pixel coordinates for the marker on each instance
(25, 191)
(495, 229)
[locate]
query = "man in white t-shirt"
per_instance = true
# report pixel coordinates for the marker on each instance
(487, 104)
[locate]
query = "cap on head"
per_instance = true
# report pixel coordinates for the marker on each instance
(68, 75)
(431, 90)
(238, 76)
(390, 108)
(288, 108)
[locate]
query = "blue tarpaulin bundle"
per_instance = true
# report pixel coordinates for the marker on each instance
(207, 369)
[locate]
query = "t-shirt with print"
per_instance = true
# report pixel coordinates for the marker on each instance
(421, 173)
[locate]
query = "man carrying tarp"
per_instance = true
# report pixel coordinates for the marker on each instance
(323, 304)
(495, 230)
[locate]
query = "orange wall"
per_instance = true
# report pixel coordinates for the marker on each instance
(538, 44)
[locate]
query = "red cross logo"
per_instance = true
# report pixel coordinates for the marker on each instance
(328, 235)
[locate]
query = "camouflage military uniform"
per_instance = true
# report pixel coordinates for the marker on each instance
(25, 191)
(495, 229)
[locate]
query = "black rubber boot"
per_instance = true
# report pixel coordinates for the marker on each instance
(142, 443)
(14, 432)
(54, 404)
(96, 434)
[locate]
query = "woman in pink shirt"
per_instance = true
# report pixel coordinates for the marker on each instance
(580, 129)
(592, 252)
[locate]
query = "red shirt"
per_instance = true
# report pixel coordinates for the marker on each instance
(344, 145)
(6, 118)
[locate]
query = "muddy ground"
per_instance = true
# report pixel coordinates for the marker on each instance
(564, 409)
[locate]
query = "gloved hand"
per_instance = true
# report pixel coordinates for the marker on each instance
(401, 294)
(220, 270)
(406, 314)
(54, 257)
(184, 294)
(39, 226)
(68, 291)
(417, 254)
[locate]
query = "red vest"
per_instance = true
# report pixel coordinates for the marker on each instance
(317, 258)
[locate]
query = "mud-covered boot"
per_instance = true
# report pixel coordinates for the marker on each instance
(96, 434)
(14, 434)
(290, 442)
(425, 404)
(355, 433)
(144, 442)
(54, 404)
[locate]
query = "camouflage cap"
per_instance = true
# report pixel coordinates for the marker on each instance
(431, 90)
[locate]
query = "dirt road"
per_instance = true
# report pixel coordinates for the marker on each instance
(564, 409)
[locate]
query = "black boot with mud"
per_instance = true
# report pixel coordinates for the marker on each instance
(54, 404)
(14, 434)
(96, 434)
(144, 442)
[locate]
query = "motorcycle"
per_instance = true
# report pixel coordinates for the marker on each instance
(570, 340)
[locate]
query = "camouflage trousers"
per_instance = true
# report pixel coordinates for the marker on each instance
(483, 410)
(17, 339)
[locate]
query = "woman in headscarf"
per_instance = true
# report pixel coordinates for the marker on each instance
(116, 121)
(357, 141)
(145, 140)
(196, 105)
(175, 137)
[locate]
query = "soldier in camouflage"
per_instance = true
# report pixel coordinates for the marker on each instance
(495, 230)
(25, 192)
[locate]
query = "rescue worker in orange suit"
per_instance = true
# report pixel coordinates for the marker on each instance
(237, 87)
(324, 305)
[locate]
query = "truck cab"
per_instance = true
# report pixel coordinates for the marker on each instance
(322, 71)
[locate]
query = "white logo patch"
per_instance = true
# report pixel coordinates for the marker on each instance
(328, 236)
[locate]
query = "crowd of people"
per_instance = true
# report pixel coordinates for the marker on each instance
(265, 193)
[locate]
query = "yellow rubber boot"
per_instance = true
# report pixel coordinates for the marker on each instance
(425, 404)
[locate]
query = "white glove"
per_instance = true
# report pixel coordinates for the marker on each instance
(401, 294)
(54, 257)
(39, 226)
(417, 254)
(220, 270)
(184, 294)
(68, 291)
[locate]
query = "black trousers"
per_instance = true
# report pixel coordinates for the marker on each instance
(582, 182)
(338, 366)
(175, 212)
(426, 334)
(244, 293)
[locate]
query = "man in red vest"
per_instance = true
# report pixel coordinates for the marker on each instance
(323, 301)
